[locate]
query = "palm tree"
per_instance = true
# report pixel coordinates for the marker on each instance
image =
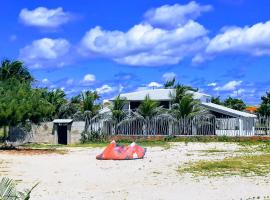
(169, 83)
(57, 98)
(14, 70)
(8, 191)
(89, 107)
(148, 108)
(117, 109)
(180, 92)
(186, 107)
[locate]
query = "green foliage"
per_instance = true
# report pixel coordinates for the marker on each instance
(55, 98)
(264, 109)
(117, 108)
(234, 103)
(20, 103)
(89, 99)
(180, 92)
(216, 100)
(149, 108)
(8, 191)
(14, 70)
(93, 136)
(186, 107)
(169, 83)
(243, 165)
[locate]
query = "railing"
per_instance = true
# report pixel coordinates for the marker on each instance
(167, 125)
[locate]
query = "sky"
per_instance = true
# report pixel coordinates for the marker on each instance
(221, 47)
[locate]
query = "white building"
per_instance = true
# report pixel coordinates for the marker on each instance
(229, 121)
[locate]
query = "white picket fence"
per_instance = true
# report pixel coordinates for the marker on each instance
(167, 126)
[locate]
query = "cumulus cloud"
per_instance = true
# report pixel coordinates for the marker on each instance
(253, 40)
(213, 84)
(105, 89)
(45, 81)
(146, 44)
(173, 15)
(230, 86)
(154, 85)
(168, 76)
(44, 17)
(89, 79)
(45, 52)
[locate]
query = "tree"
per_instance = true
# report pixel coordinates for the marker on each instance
(216, 100)
(186, 107)
(234, 103)
(89, 99)
(8, 190)
(117, 108)
(264, 109)
(169, 83)
(89, 106)
(149, 108)
(14, 70)
(19, 103)
(55, 98)
(180, 92)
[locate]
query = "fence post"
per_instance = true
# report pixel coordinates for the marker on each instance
(240, 126)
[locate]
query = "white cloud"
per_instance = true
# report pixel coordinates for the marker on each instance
(46, 52)
(254, 40)
(213, 84)
(89, 78)
(45, 81)
(230, 86)
(44, 17)
(168, 76)
(104, 89)
(238, 92)
(70, 81)
(145, 44)
(173, 15)
(154, 85)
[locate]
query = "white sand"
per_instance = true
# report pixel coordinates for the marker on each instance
(78, 175)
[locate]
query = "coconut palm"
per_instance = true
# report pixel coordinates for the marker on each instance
(186, 107)
(149, 108)
(57, 98)
(89, 107)
(14, 70)
(117, 108)
(169, 83)
(8, 191)
(179, 93)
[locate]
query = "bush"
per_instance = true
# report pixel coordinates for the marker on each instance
(93, 136)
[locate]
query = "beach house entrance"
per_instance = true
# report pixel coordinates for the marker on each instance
(62, 129)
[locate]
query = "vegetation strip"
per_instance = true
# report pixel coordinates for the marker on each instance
(243, 165)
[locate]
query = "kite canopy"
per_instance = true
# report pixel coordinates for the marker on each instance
(115, 152)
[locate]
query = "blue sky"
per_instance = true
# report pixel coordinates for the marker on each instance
(222, 47)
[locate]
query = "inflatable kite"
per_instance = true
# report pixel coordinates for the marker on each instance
(115, 152)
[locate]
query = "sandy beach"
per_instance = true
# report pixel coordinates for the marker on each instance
(78, 175)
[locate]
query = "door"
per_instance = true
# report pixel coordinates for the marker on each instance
(62, 134)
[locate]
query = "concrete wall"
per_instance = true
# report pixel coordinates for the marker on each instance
(47, 133)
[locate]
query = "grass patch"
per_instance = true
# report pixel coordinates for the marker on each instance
(214, 151)
(244, 165)
(157, 143)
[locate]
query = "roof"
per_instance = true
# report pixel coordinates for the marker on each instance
(157, 95)
(227, 111)
(62, 121)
